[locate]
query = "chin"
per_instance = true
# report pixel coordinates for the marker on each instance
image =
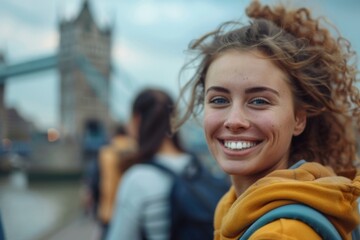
(234, 167)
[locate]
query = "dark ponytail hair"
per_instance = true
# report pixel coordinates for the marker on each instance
(154, 108)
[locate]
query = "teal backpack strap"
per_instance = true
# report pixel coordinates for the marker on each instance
(297, 164)
(355, 234)
(303, 213)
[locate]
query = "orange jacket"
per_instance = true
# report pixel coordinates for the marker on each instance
(310, 184)
(110, 174)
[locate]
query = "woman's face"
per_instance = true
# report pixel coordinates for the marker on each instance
(249, 116)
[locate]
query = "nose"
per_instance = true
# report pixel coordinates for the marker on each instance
(236, 119)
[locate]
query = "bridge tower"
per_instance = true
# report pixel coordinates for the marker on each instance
(84, 67)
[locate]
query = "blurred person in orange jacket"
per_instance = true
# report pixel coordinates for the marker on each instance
(110, 174)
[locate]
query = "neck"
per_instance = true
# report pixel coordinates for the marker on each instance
(168, 148)
(241, 184)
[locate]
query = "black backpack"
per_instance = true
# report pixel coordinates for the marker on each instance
(193, 199)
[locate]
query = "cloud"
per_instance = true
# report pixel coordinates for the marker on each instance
(149, 39)
(25, 42)
(147, 65)
(155, 12)
(24, 39)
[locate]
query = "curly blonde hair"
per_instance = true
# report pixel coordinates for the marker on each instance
(322, 72)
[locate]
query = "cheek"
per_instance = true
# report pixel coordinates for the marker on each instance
(268, 124)
(279, 126)
(211, 122)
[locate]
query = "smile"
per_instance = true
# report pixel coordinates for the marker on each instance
(239, 145)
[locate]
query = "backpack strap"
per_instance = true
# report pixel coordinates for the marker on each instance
(355, 234)
(162, 168)
(192, 168)
(297, 164)
(303, 213)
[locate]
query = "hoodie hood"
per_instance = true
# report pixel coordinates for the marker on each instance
(311, 184)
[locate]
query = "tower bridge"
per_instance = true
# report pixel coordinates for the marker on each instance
(23, 68)
(83, 62)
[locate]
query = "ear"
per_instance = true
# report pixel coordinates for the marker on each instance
(300, 122)
(136, 119)
(133, 125)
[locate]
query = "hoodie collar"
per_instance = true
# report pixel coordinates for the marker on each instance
(308, 183)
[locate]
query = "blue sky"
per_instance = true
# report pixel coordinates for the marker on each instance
(150, 40)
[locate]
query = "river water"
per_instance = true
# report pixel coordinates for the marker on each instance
(42, 210)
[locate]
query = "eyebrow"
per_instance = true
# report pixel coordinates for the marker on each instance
(261, 89)
(217, 89)
(247, 91)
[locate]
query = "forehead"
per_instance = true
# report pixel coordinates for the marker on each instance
(245, 67)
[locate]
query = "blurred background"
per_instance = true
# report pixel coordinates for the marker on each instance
(68, 72)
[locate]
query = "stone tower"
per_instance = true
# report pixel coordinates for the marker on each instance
(85, 67)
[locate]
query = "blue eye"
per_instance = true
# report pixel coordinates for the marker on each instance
(259, 101)
(219, 100)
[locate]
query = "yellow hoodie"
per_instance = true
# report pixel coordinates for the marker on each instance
(311, 184)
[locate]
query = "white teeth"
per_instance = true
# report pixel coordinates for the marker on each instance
(238, 145)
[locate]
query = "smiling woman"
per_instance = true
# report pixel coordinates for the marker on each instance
(249, 103)
(280, 108)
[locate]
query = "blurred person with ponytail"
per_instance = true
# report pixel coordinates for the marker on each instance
(142, 206)
(281, 112)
